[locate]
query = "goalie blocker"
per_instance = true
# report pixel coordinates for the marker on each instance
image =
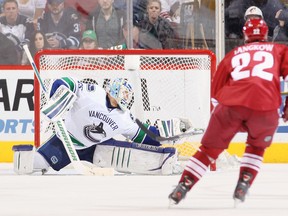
(123, 156)
(59, 103)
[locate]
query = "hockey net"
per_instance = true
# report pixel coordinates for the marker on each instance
(174, 83)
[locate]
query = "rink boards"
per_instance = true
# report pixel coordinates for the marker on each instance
(17, 118)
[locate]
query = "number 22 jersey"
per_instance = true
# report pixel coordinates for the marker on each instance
(249, 76)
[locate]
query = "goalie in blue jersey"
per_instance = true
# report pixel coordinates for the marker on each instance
(93, 117)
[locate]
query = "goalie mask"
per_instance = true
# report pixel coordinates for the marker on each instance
(255, 30)
(122, 92)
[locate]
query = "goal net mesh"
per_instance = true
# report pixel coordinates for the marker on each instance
(166, 84)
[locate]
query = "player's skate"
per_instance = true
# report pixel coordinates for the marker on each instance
(242, 187)
(180, 191)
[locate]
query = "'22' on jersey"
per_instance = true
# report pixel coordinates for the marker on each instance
(254, 76)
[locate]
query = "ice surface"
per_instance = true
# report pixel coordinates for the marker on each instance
(65, 193)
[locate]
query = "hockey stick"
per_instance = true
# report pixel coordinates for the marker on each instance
(172, 138)
(203, 36)
(61, 129)
(284, 93)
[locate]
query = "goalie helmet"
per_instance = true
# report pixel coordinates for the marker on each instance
(253, 11)
(255, 30)
(122, 92)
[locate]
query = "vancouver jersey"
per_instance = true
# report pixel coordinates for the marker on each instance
(92, 120)
(250, 75)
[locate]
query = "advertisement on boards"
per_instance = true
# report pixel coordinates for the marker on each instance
(16, 105)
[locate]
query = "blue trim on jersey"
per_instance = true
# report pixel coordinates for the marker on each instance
(68, 82)
(148, 140)
(136, 134)
(141, 136)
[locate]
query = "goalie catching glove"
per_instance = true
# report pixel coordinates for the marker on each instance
(59, 103)
(176, 126)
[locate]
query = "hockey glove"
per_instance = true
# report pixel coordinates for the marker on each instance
(59, 103)
(173, 127)
(285, 110)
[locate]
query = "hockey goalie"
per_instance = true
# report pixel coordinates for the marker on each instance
(93, 116)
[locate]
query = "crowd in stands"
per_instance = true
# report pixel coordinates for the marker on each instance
(101, 24)
(275, 14)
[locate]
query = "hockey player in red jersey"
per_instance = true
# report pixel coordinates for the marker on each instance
(246, 87)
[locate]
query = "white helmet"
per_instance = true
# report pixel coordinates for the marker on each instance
(253, 11)
(122, 92)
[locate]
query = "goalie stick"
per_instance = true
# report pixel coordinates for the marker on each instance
(62, 131)
(172, 138)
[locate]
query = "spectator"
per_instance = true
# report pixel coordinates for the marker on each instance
(234, 19)
(139, 9)
(280, 33)
(121, 7)
(18, 28)
(156, 32)
(84, 9)
(171, 10)
(269, 9)
(38, 42)
(107, 23)
(7, 51)
(1, 9)
(89, 40)
(61, 26)
(32, 9)
(13, 25)
(135, 36)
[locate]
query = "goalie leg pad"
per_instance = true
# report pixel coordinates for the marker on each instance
(135, 158)
(56, 156)
(23, 159)
(40, 164)
(54, 153)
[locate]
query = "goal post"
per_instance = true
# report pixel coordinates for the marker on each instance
(166, 83)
